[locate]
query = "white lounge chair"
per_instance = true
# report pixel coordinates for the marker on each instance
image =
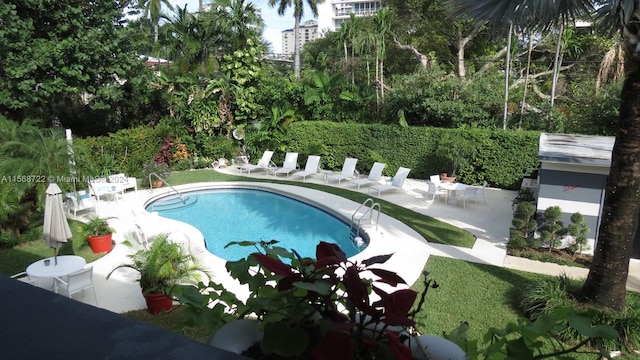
(375, 175)
(396, 182)
(348, 171)
(311, 168)
(263, 164)
(290, 164)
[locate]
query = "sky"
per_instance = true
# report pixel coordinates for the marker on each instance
(274, 23)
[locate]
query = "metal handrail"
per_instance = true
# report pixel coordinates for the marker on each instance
(369, 211)
(184, 200)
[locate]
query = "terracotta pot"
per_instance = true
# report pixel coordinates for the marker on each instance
(157, 302)
(100, 244)
(157, 184)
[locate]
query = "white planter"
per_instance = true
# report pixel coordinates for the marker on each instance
(431, 347)
(237, 336)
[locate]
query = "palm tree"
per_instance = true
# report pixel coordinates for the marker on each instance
(298, 12)
(240, 18)
(606, 282)
(153, 10)
(382, 21)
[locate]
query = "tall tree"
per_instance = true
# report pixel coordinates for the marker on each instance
(240, 18)
(153, 10)
(55, 55)
(606, 283)
(298, 12)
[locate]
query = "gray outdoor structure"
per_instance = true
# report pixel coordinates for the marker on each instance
(40, 324)
(573, 175)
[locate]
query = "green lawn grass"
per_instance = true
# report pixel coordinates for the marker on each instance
(17, 259)
(482, 295)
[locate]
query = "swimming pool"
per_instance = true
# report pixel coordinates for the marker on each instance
(240, 214)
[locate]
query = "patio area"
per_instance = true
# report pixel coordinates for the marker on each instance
(489, 222)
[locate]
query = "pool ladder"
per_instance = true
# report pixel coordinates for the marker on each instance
(364, 212)
(178, 193)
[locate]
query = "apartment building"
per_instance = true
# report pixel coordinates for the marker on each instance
(308, 32)
(332, 13)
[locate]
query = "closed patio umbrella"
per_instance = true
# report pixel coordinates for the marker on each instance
(56, 229)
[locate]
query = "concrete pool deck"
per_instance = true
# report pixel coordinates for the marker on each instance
(489, 222)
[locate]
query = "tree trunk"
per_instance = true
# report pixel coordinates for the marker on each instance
(296, 47)
(556, 65)
(606, 283)
(507, 71)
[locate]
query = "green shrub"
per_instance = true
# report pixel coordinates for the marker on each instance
(552, 229)
(499, 157)
(548, 295)
(523, 226)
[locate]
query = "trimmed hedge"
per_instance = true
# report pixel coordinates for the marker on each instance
(499, 157)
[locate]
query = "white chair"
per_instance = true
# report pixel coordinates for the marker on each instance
(76, 282)
(481, 191)
(434, 191)
(375, 175)
(311, 168)
(101, 187)
(24, 277)
(435, 179)
(396, 182)
(79, 201)
(263, 164)
(348, 171)
(471, 192)
(290, 164)
(124, 182)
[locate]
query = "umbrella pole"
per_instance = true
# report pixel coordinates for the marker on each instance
(55, 256)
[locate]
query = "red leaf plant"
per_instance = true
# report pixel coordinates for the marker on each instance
(326, 302)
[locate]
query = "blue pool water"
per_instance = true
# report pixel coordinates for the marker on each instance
(225, 215)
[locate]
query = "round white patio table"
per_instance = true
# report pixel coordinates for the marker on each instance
(44, 274)
(452, 187)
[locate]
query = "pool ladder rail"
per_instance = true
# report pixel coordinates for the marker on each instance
(178, 193)
(364, 212)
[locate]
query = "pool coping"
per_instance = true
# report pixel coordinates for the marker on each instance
(410, 250)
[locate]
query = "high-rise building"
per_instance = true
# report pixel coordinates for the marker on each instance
(308, 32)
(332, 13)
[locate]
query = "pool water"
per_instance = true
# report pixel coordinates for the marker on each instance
(225, 215)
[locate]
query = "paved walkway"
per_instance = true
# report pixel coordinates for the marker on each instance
(489, 221)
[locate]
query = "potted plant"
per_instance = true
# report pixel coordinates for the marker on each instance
(310, 308)
(98, 233)
(161, 267)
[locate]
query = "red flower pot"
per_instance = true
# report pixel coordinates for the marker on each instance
(158, 302)
(101, 244)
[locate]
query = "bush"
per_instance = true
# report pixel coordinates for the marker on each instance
(500, 157)
(545, 296)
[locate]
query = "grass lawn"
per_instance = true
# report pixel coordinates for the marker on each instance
(17, 259)
(482, 295)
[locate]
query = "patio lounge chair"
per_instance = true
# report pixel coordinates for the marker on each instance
(311, 168)
(290, 164)
(263, 164)
(348, 171)
(375, 175)
(396, 182)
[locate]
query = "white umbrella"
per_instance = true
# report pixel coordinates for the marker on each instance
(56, 229)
